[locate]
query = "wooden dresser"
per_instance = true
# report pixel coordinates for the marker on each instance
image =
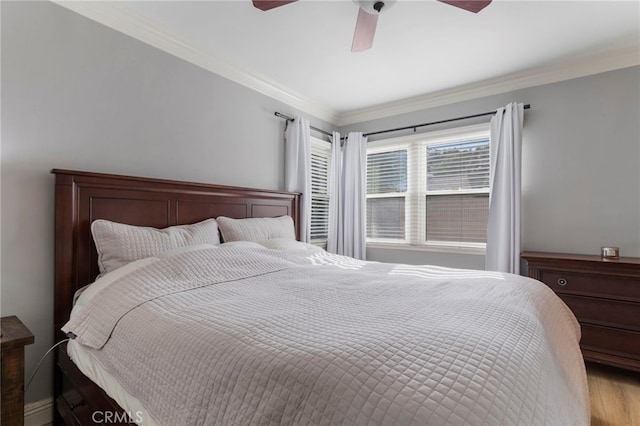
(604, 295)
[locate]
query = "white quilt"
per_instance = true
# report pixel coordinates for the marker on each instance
(246, 336)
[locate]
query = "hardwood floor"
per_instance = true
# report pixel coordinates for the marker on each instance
(615, 396)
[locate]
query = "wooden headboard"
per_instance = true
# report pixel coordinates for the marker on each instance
(83, 197)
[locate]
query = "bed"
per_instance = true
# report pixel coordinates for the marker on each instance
(278, 332)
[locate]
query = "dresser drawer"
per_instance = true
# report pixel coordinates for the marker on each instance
(591, 284)
(624, 343)
(604, 311)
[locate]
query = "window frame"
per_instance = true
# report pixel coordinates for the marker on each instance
(416, 195)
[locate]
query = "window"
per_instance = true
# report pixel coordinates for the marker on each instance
(430, 189)
(320, 155)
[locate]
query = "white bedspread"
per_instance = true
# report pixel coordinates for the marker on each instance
(243, 336)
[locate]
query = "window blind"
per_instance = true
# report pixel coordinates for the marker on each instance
(458, 165)
(386, 193)
(459, 218)
(387, 171)
(320, 154)
(457, 196)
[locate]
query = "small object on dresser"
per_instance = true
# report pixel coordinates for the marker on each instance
(610, 252)
(15, 335)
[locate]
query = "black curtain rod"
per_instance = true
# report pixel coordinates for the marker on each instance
(397, 129)
(286, 117)
(414, 127)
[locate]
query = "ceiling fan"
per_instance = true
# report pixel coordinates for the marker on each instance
(368, 15)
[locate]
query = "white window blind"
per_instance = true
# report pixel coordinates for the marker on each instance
(430, 189)
(386, 193)
(320, 154)
(457, 196)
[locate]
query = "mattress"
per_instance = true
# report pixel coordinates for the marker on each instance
(248, 335)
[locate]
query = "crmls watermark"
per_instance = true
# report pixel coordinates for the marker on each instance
(106, 417)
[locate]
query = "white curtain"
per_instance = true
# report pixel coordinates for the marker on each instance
(347, 234)
(334, 239)
(298, 170)
(503, 230)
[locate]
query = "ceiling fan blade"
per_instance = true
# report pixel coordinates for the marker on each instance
(365, 31)
(270, 4)
(474, 6)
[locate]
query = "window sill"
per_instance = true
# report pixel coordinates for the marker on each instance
(478, 250)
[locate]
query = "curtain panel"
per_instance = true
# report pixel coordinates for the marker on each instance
(334, 241)
(347, 203)
(298, 170)
(503, 228)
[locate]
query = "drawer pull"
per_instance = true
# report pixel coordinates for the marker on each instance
(562, 281)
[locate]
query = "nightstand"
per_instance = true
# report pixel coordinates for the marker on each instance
(15, 336)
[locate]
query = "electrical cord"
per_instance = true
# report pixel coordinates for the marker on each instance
(42, 359)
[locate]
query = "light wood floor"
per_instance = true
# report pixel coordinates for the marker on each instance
(615, 396)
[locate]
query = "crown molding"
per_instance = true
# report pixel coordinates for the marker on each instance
(607, 61)
(127, 21)
(123, 19)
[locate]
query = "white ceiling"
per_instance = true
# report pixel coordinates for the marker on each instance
(421, 49)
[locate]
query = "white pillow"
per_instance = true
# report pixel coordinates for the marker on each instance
(256, 229)
(118, 244)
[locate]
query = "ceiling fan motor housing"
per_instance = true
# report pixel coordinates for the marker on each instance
(375, 7)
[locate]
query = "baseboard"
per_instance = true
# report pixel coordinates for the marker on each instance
(39, 413)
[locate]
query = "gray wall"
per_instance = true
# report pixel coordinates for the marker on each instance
(580, 165)
(78, 95)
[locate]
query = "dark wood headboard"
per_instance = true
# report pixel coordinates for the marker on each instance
(83, 197)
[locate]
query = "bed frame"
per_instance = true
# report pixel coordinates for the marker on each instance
(81, 198)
